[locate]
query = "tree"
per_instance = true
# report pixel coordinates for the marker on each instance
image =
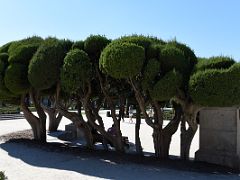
(208, 69)
(137, 61)
(50, 54)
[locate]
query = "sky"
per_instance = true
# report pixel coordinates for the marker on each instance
(209, 27)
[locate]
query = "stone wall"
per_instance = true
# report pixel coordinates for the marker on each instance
(219, 137)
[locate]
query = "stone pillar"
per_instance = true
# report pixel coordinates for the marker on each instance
(219, 137)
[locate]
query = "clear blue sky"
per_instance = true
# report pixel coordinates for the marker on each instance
(210, 27)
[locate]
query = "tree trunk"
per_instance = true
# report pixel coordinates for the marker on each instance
(190, 114)
(138, 145)
(79, 122)
(118, 143)
(34, 121)
(54, 118)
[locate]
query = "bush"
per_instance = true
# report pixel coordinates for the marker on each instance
(16, 79)
(218, 62)
(44, 68)
(122, 60)
(216, 88)
(166, 88)
(94, 45)
(76, 71)
(173, 58)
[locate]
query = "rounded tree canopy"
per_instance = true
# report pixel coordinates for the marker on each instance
(23, 50)
(150, 44)
(173, 58)
(3, 62)
(76, 70)
(166, 88)
(94, 45)
(217, 62)
(151, 71)
(188, 53)
(216, 88)
(122, 60)
(44, 68)
(78, 45)
(16, 78)
(5, 47)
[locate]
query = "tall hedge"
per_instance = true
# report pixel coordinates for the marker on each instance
(214, 87)
(217, 62)
(122, 60)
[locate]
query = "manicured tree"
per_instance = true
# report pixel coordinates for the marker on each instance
(94, 46)
(125, 60)
(190, 107)
(5, 94)
(49, 55)
(15, 79)
(76, 76)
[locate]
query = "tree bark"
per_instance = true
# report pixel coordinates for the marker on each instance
(138, 145)
(189, 116)
(79, 122)
(37, 127)
(54, 118)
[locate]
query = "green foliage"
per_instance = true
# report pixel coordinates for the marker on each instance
(2, 176)
(16, 79)
(78, 45)
(150, 72)
(3, 62)
(5, 47)
(44, 68)
(188, 53)
(122, 60)
(173, 58)
(218, 62)
(151, 45)
(94, 45)
(23, 50)
(76, 70)
(216, 88)
(166, 88)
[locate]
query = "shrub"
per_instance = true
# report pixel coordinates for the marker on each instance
(217, 88)
(166, 88)
(94, 45)
(16, 78)
(44, 68)
(76, 71)
(122, 60)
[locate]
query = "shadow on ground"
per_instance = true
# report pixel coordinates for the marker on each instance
(110, 165)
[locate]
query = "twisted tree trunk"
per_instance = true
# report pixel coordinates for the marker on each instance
(54, 118)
